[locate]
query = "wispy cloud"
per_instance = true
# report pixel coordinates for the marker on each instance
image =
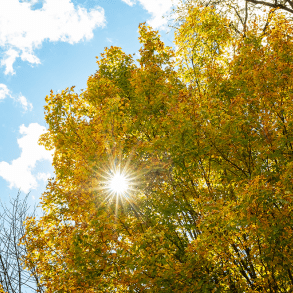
(25, 104)
(157, 8)
(24, 29)
(9, 58)
(6, 93)
(129, 2)
(19, 172)
(43, 176)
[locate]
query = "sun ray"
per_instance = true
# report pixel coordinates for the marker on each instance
(117, 179)
(117, 182)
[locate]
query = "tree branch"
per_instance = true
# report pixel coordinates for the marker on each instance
(271, 5)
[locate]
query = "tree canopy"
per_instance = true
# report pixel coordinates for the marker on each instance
(242, 13)
(204, 135)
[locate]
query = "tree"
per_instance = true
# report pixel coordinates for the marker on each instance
(241, 13)
(205, 137)
(245, 123)
(13, 276)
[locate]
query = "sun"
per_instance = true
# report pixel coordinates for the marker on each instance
(118, 183)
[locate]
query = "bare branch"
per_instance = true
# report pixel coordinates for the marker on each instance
(14, 278)
(275, 5)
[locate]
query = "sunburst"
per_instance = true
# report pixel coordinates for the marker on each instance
(117, 181)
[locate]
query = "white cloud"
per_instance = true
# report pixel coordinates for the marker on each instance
(158, 9)
(19, 172)
(9, 59)
(43, 176)
(129, 2)
(24, 29)
(5, 93)
(30, 57)
(25, 104)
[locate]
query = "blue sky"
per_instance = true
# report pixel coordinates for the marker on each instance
(53, 44)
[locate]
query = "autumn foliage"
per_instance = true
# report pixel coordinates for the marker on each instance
(206, 133)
